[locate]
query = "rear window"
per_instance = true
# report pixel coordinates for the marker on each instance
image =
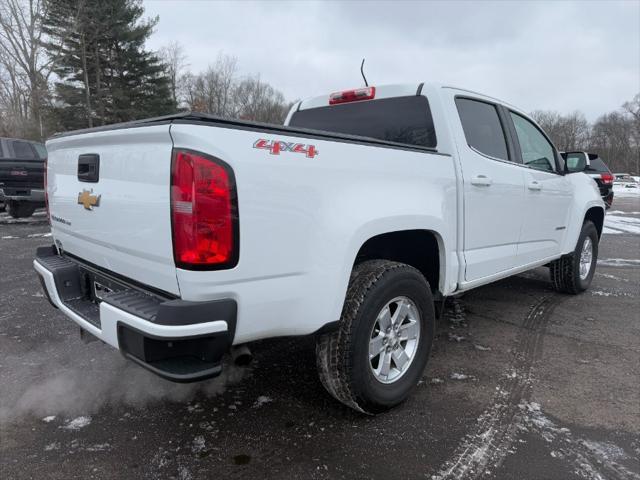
(23, 151)
(597, 165)
(399, 119)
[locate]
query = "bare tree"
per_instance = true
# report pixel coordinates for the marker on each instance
(612, 133)
(212, 90)
(175, 61)
(568, 132)
(259, 101)
(25, 68)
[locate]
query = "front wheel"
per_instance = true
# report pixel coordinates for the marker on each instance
(381, 347)
(573, 273)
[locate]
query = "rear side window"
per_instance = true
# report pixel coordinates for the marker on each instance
(23, 151)
(482, 127)
(399, 119)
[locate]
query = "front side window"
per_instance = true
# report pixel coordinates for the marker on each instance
(482, 127)
(537, 151)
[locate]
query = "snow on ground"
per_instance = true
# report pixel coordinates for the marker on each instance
(621, 224)
(77, 423)
(626, 190)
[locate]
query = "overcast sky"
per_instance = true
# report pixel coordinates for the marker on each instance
(558, 55)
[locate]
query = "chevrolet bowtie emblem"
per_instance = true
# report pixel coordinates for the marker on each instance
(89, 200)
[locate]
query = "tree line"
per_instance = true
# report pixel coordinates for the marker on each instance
(69, 64)
(615, 136)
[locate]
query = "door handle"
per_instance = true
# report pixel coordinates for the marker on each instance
(534, 185)
(89, 167)
(481, 181)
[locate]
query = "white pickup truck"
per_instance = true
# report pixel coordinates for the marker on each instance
(182, 238)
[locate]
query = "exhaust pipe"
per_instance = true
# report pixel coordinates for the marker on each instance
(241, 355)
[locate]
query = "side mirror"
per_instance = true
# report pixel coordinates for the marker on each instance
(576, 162)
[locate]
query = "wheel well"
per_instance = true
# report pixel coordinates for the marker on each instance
(596, 215)
(418, 248)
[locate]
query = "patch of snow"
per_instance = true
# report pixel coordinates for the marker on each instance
(622, 224)
(436, 381)
(626, 190)
(601, 293)
(456, 338)
(77, 423)
(98, 447)
(198, 444)
(261, 400)
(607, 450)
(460, 376)
(36, 235)
(195, 408)
(609, 231)
(482, 348)
(606, 275)
(183, 473)
(619, 262)
(620, 212)
(48, 419)
(52, 446)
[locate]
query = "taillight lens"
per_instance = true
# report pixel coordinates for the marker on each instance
(367, 93)
(46, 191)
(606, 178)
(204, 212)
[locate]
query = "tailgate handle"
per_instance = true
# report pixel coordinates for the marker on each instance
(89, 167)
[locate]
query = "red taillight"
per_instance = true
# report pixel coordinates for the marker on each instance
(356, 95)
(606, 178)
(203, 212)
(46, 191)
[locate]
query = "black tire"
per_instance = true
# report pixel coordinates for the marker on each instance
(20, 209)
(342, 356)
(565, 272)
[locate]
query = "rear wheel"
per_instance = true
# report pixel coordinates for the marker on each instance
(20, 209)
(381, 347)
(573, 273)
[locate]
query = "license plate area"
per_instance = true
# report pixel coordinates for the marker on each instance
(96, 286)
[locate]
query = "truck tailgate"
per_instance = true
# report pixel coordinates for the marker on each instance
(20, 176)
(122, 221)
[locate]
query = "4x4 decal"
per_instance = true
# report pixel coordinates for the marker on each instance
(277, 146)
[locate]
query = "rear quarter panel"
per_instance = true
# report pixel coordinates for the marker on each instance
(303, 220)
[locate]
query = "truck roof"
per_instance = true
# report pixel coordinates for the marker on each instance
(397, 90)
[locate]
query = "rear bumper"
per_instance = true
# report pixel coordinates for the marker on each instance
(22, 194)
(178, 340)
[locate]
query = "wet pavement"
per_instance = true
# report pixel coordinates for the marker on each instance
(523, 383)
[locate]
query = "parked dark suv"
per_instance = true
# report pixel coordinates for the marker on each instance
(596, 169)
(22, 176)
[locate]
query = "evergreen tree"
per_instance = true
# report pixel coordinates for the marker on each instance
(105, 74)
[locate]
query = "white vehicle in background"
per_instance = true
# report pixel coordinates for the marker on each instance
(179, 238)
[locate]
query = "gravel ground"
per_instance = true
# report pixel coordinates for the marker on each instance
(523, 383)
